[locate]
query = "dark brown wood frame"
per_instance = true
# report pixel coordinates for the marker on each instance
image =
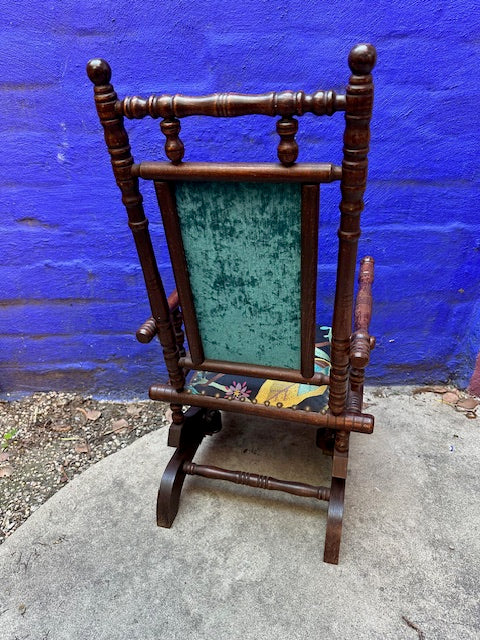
(350, 351)
(195, 359)
(239, 171)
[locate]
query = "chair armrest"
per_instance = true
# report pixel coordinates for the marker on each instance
(148, 330)
(361, 342)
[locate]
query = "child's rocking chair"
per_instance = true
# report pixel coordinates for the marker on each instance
(242, 239)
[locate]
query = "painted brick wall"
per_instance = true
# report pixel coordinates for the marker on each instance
(71, 290)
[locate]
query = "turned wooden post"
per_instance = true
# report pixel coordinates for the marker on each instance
(118, 146)
(177, 320)
(361, 343)
(287, 150)
(174, 148)
(359, 101)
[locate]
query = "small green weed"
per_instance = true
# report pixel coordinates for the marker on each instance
(7, 437)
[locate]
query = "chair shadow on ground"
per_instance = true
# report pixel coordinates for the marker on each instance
(267, 447)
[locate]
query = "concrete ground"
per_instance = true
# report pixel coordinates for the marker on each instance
(240, 563)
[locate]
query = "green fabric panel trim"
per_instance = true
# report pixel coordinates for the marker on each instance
(242, 246)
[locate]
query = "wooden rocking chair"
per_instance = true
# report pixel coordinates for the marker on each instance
(242, 239)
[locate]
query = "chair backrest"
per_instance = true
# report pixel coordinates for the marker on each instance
(242, 237)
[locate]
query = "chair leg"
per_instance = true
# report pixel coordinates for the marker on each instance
(188, 438)
(198, 423)
(337, 496)
(212, 422)
(325, 440)
(334, 521)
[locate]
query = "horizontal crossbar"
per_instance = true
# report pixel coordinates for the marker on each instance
(229, 105)
(304, 172)
(258, 481)
(360, 422)
(254, 371)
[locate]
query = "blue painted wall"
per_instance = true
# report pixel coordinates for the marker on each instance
(71, 290)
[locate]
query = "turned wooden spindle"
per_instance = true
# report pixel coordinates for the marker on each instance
(363, 307)
(257, 481)
(174, 147)
(118, 146)
(230, 105)
(361, 342)
(359, 102)
(287, 149)
(148, 330)
(177, 320)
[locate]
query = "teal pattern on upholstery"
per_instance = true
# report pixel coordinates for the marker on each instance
(270, 392)
(242, 247)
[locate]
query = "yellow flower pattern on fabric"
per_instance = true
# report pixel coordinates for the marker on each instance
(288, 393)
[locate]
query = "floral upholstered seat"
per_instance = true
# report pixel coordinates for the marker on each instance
(270, 392)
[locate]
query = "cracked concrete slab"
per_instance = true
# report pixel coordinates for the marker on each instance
(239, 563)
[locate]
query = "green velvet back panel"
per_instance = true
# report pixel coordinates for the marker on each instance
(242, 246)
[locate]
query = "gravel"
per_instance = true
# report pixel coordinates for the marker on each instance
(46, 439)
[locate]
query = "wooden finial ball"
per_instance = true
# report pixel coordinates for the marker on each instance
(362, 58)
(99, 71)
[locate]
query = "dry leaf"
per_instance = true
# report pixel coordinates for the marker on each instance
(436, 388)
(468, 403)
(117, 427)
(133, 410)
(82, 447)
(6, 471)
(470, 414)
(450, 398)
(61, 428)
(63, 475)
(4, 456)
(92, 414)
(168, 415)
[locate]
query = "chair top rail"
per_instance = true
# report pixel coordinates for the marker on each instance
(227, 105)
(302, 172)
